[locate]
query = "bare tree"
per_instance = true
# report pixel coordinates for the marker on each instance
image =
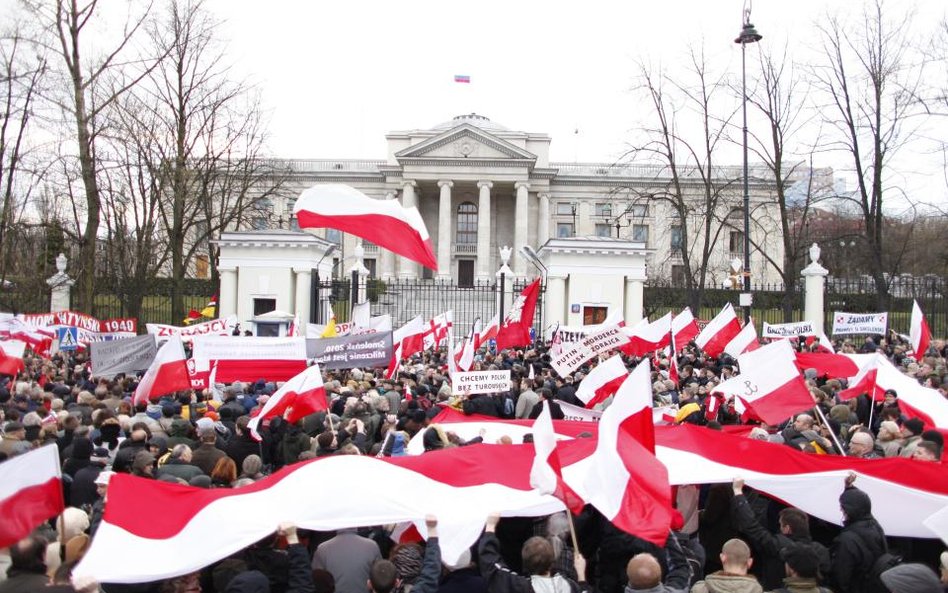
(781, 98)
(94, 83)
(870, 76)
(691, 185)
(208, 137)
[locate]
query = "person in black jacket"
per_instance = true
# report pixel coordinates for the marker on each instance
(794, 529)
(538, 558)
(299, 577)
(860, 543)
(462, 578)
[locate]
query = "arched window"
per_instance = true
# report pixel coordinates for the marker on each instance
(467, 224)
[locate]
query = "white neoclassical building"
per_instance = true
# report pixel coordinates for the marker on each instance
(479, 186)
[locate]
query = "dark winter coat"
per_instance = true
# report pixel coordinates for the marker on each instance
(859, 544)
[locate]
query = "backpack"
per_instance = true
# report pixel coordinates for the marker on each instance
(881, 564)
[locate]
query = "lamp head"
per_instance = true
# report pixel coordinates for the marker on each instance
(748, 34)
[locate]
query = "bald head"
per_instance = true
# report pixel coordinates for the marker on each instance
(736, 556)
(644, 571)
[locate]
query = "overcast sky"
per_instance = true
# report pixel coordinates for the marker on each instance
(337, 76)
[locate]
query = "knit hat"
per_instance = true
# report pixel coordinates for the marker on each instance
(153, 411)
(914, 425)
(911, 578)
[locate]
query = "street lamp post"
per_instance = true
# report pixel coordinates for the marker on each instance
(748, 35)
(316, 310)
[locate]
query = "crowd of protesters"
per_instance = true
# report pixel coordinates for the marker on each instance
(726, 537)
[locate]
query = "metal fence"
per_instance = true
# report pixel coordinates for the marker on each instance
(404, 298)
(118, 301)
(768, 302)
(858, 295)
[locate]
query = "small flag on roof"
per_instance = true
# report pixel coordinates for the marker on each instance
(464, 78)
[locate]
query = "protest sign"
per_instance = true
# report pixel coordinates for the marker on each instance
(571, 412)
(859, 323)
(128, 355)
(480, 382)
(788, 330)
(82, 322)
(240, 358)
(595, 343)
(216, 327)
(372, 350)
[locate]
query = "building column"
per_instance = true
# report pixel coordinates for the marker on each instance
(521, 225)
(388, 258)
(303, 278)
(227, 303)
(444, 230)
(543, 221)
(408, 268)
(814, 282)
(483, 230)
(634, 299)
(555, 302)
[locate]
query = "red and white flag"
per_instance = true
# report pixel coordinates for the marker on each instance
(684, 328)
(299, 397)
(383, 222)
(648, 337)
(466, 357)
(11, 357)
(745, 341)
(915, 401)
(438, 330)
(168, 372)
(407, 340)
(241, 358)
(919, 333)
(546, 473)
(674, 374)
(770, 385)
(602, 382)
(515, 329)
(625, 481)
(489, 333)
(31, 491)
(719, 332)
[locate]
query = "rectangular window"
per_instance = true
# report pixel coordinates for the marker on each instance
(565, 209)
(604, 210)
(261, 306)
(735, 242)
(639, 210)
(466, 273)
(369, 264)
(640, 233)
(676, 239)
(202, 267)
(334, 236)
(603, 230)
(594, 315)
(564, 229)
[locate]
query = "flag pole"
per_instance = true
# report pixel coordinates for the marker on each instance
(839, 445)
(572, 535)
(872, 407)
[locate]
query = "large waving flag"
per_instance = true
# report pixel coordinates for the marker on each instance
(919, 333)
(31, 492)
(11, 357)
(625, 481)
(546, 473)
(168, 372)
(745, 341)
(466, 356)
(648, 337)
(488, 333)
(770, 384)
(384, 222)
(602, 382)
(407, 340)
(299, 397)
(515, 329)
(719, 332)
(684, 328)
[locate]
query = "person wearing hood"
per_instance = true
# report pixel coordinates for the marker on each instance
(911, 578)
(81, 452)
(538, 558)
(180, 434)
(860, 543)
(82, 492)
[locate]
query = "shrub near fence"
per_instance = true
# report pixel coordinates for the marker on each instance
(767, 307)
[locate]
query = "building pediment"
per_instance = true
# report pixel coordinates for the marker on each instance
(465, 143)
